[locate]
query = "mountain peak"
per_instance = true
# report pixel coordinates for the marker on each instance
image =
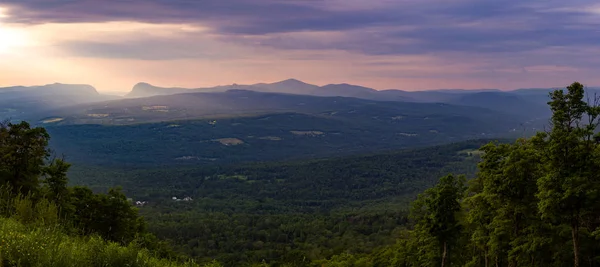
(68, 88)
(291, 81)
(141, 85)
(143, 89)
(289, 86)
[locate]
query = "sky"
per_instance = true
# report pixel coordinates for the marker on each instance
(384, 44)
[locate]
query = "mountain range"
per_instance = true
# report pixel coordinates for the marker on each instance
(282, 120)
(36, 102)
(293, 86)
(521, 101)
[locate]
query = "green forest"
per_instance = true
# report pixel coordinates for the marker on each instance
(282, 212)
(44, 222)
(534, 201)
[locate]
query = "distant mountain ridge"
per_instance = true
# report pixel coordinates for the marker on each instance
(55, 88)
(288, 119)
(28, 102)
(530, 102)
(294, 86)
(240, 102)
(21, 102)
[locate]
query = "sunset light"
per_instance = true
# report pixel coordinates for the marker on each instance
(3, 12)
(409, 45)
(10, 39)
(371, 133)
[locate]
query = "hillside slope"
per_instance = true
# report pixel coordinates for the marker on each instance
(303, 127)
(531, 107)
(235, 103)
(32, 103)
(284, 211)
(22, 245)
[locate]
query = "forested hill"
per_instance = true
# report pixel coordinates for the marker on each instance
(533, 202)
(45, 222)
(372, 176)
(273, 137)
(285, 212)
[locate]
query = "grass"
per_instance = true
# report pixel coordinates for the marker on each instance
(22, 245)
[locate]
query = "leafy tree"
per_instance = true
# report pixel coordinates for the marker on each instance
(109, 215)
(478, 222)
(55, 181)
(23, 152)
(503, 213)
(568, 190)
(528, 199)
(437, 214)
(36, 202)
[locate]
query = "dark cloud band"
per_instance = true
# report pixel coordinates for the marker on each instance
(388, 28)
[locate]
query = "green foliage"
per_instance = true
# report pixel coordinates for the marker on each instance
(532, 203)
(24, 210)
(239, 239)
(315, 185)
(568, 191)
(23, 151)
(47, 213)
(56, 180)
(285, 212)
(21, 245)
(109, 215)
(436, 213)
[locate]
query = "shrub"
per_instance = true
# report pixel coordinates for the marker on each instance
(28, 245)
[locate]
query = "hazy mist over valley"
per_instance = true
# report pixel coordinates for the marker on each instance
(253, 122)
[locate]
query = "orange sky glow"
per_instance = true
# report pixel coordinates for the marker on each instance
(114, 54)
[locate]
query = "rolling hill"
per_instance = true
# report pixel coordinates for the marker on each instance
(235, 103)
(261, 138)
(241, 125)
(182, 126)
(510, 103)
(208, 128)
(317, 204)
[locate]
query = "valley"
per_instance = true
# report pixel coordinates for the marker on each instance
(323, 133)
(283, 212)
(285, 173)
(279, 121)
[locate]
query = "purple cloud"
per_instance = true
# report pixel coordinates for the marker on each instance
(512, 31)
